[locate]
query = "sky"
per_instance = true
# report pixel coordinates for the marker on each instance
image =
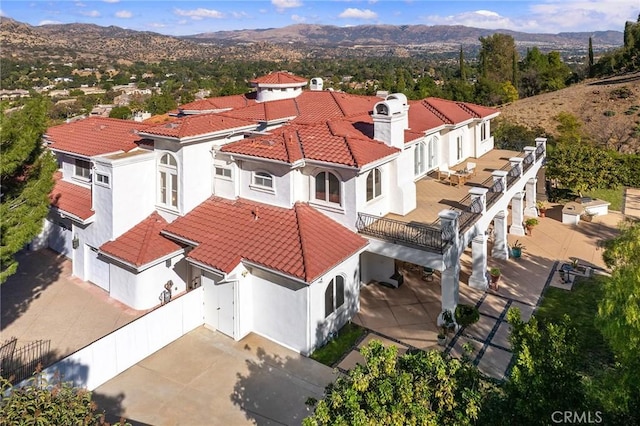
(175, 17)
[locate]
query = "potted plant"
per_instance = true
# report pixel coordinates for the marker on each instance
(516, 249)
(467, 315)
(442, 336)
(530, 223)
(495, 276)
(445, 327)
(542, 208)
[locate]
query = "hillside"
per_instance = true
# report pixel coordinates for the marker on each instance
(68, 42)
(609, 109)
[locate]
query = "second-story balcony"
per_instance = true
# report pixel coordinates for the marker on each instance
(421, 228)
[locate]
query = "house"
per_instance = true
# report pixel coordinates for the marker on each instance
(276, 204)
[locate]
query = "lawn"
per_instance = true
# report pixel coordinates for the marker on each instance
(614, 196)
(581, 304)
(333, 351)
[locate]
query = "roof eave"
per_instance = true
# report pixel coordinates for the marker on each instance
(75, 218)
(145, 266)
(276, 272)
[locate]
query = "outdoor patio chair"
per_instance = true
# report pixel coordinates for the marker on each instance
(455, 179)
(443, 171)
(471, 168)
(565, 277)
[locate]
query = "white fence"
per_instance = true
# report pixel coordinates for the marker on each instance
(109, 356)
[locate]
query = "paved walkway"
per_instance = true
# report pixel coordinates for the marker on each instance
(42, 301)
(205, 378)
(632, 203)
(407, 316)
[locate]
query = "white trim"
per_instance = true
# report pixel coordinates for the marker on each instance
(106, 184)
(208, 268)
(275, 272)
(179, 238)
(144, 266)
(64, 213)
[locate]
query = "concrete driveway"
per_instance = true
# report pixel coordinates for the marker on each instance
(206, 378)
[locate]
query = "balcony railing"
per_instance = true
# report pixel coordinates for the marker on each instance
(412, 234)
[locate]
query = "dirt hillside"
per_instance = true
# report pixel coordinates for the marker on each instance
(609, 109)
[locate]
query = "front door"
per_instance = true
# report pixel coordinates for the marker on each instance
(219, 305)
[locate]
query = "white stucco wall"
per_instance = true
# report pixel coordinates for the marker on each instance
(380, 205)
(274, 93)
(280, 309)
(279, 195)
(403, 193)
(346, 213)
(319, 326)
(142, 290)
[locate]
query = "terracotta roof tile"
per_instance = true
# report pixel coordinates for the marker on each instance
(95, 136)
(332, 142)
(70, 198)
(279, 77)
(450, 109)
(142, 244)
(220, 102)
(479, 110)
(267, 111)
(199, 124)
(300, 242)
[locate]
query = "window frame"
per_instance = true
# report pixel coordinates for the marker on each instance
(77, 167)
(419, 163)
(223, 176)
(375, 190)
(262, 174)
(326, 200)
(99, 175)
(336, 289)
(459, 148)
(168, 182)
(483, 131)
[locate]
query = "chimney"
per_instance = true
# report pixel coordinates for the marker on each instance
(389, 121)
(255, 213)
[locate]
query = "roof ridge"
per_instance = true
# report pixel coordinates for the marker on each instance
(147, 237)
(464, 106)
(303, 249)
(436, 111)
(333, 95)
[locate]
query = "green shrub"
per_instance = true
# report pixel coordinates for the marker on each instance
(467, 315)
(609, 113)
(621, 93)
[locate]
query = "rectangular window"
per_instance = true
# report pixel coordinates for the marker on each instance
(163, 187)
(174, 190)
(483, 131)
(82, 169)
(459, 144)
(102, 179)
(223, 172)
(263, 179)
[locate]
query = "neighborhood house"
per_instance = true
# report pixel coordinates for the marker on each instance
(279, 204)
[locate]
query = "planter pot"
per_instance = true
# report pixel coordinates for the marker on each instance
(442, 340)
(494, 282)
(542, 213)
(529, 229)
(516, 252)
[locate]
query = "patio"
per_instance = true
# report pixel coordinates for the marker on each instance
(406, 316)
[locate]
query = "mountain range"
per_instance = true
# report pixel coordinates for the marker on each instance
(88, 41)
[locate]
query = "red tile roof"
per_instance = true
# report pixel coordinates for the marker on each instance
(70, 198)
(267, 111)
(332, 142)
(279, 77)
(95, 136)
(220, 102)
(300, 242)
(199, 124)
(142, 244)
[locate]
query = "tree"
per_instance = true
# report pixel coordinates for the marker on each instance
(121, 112)
(427, 388)
(497, 55)
(26, 172)
(159, 104)
(463, 73)
(42, 403)
(544, 377)
(591, 70)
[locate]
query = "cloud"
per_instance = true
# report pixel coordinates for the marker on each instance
(91, 13)
(286, 4)
(49, 22)
(200, 13)
(358, 14)
(111, 1)
(124, 14)
(298, 18)
(80, 4)
(2, 13)
(239, 15)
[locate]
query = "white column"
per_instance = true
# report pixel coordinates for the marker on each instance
(517, 214)
(450, 288)
(541, 144)
(478, 278)
(500, 247)
(479, 194)
(450, 276)
(530, 198)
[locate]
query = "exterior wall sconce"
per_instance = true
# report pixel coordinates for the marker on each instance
(75, 242)
(165, 296)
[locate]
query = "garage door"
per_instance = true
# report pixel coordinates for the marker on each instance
(60, 236)
(97, 269)
(219, 305)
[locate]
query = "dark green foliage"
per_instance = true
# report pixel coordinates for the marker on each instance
(621, 93)
(624, 59)
(415, 388)
(609, 113)
(48, 403)
(514, 136)
(467, 315)
(333, 351)
(590, 63)
(496, 57)
(26, 172)
(160, 104)
(544, 377)
(121, 112)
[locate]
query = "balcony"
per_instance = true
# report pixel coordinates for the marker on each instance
(421, 227)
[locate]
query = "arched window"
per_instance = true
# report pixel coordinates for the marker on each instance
(327, 188)
(334, 295)
(374, 184)
(419, 166)
(168, 181)
(432, 155)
